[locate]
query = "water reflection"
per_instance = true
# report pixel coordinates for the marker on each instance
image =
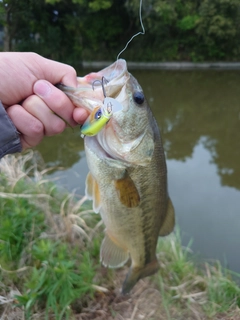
(189, 105)
(62, 150)
(199, 116)
(207, 212)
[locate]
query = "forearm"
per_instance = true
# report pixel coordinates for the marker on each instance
(9, 137)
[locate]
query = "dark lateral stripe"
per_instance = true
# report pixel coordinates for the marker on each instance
(147, 225)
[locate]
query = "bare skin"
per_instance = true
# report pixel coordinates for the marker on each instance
(36, 107)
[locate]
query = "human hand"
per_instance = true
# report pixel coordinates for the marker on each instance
(33, 103)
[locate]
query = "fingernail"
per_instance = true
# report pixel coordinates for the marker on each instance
(42, 89)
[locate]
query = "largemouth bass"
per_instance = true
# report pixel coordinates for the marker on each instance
(128, 176)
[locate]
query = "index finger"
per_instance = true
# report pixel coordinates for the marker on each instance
(57, 72)
(20, 70)
(56, 100)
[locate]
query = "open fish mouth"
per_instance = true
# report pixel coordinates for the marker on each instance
(100, 93)
(89, 92)
(113, 73)
(93, 144)
(99, 146)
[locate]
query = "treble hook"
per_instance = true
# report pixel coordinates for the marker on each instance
(102, 83)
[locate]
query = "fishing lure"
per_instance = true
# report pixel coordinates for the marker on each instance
(98, 118)
(100, 115)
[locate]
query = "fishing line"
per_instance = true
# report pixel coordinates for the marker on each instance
(101, 115)
(137, 34)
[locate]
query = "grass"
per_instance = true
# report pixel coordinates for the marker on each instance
(44, 242)
(202, 288)
(49, 261)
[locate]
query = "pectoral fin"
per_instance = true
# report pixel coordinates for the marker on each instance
(169, 221)
(92, 192)
(111, 254)
(127, 192)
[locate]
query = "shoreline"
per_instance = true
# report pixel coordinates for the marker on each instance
(168, 65)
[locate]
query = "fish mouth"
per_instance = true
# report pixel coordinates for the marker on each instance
(92, 89)
(93, 144)
(114, 72)
(107, 146)
(90, 94)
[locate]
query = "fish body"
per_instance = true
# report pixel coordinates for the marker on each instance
(128, 176)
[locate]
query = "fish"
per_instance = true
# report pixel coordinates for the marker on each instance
(127, 179)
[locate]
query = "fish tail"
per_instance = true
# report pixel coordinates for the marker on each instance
(136, 273)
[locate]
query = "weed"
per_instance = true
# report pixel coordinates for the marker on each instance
(58, 280)
(222, 292)
(45, 245)
(182, 283)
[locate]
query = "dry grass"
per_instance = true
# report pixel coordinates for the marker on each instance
(145, 302)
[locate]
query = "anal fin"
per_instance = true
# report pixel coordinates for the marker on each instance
(111, 254)
(127, 192)
(169, 222)
(92, 192)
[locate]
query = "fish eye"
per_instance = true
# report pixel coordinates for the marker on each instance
(138, 97)
(98, 114)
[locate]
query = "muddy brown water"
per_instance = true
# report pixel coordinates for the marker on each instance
(199, 116)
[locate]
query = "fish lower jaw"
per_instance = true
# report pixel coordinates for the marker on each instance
(93, 144)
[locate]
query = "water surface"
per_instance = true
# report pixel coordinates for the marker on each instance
(199, 116)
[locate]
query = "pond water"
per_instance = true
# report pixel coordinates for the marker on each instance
(198, 113)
